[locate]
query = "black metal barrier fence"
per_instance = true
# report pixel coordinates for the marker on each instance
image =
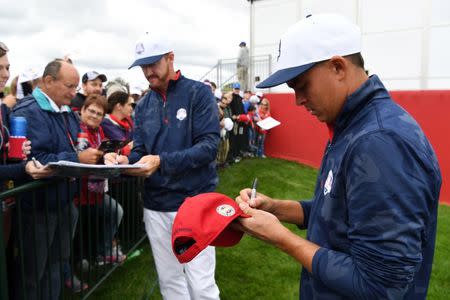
(61, 239)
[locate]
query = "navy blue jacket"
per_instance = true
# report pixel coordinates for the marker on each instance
(374, 212)
(183, 130)
(50, 142)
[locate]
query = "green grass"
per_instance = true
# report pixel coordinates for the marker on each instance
(252, 269)
(440, 276)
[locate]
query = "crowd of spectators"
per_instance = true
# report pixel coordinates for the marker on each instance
(239, 114)
(67, 120)
(64, 121)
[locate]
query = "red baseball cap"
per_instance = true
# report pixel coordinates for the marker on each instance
(203, 220)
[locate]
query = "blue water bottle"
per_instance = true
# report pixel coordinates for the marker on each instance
(18, 135)
(18, 126)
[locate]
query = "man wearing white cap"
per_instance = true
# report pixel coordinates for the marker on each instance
(176, 135)
(372, 221)
(27, 81)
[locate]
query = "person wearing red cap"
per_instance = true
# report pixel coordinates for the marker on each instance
(176, 136)
(372, 220)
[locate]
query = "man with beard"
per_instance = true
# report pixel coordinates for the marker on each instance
(176, 136)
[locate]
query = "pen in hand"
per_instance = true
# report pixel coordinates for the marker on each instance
(117, 157)
(35, 163)
(253, 193)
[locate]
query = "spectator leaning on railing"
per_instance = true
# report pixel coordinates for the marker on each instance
(11, 170)
(53, 130)
(103, 207)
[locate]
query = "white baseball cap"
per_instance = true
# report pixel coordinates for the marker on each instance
(150, 49)
(92, 75)
(218, 94)
(228, 124)
(29, 75)
(314, 39)
(254, 99)
(136, 89)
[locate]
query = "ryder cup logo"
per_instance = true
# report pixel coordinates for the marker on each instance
(140, 48)
(225, 210)
(181, 114)
(328, 183)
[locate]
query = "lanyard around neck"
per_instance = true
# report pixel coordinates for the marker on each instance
(66, 125)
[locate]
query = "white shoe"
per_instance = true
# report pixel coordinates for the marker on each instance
(117, 250)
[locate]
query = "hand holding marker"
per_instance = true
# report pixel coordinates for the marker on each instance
(253, 193)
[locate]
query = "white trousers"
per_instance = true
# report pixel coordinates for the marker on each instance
(193, 280)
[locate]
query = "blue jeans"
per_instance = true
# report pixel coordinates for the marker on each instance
(252, 140)
(109, 214)
(260, 138)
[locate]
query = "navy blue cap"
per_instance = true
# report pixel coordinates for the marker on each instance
(146, 60)
(284, 75)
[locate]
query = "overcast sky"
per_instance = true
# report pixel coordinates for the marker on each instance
(101, 34)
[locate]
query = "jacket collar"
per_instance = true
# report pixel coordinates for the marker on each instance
(371, 89)
(125, 123)
(47, 104)
(171, 82)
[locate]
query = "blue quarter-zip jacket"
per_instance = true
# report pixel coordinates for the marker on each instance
(374, 212)
(183, 130)
(49, 133)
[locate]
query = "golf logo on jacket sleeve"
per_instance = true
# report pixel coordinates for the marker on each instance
(181, 114)
(204, 220)
(328, 183)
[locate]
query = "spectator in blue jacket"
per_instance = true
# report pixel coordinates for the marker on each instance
(11, 172)
(176, 135)
(372, 222)
(52, 128)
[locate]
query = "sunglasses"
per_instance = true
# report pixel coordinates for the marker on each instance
(3, 47)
